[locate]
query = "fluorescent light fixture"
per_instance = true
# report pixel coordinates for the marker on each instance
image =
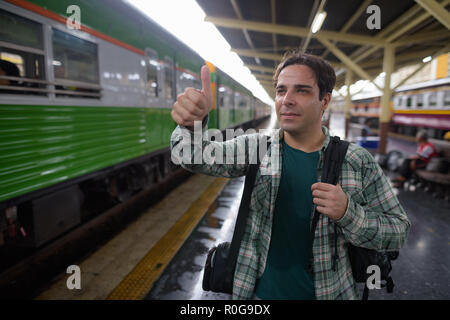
(426, 59)
(318, 21)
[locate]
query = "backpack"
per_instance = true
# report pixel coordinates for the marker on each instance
(360, 258)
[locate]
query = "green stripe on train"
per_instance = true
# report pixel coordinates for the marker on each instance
(44, 145)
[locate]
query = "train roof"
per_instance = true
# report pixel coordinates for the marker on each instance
(425, 84)
(409, 87)
(366, 95)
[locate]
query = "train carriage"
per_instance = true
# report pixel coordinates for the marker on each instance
(421, 105)
(87, 111)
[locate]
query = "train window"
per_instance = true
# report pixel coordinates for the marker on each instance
(187, 80)
(419, 101)
(168, 79)
(152, 66)
(152, 78)
(409, 102)
(222, 91)
(432, 99)
(228, 98)
(20, 31)
(447, 99)
(240, 100)
(21, 56)
(75, 63)
(396, 101)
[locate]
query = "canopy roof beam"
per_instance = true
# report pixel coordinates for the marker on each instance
(293, 31)
(421, 66)
(436, 10)
(352, 20)
(260, 68)
(347, 61)
(237, 10)
(254, 53)
(273, 14)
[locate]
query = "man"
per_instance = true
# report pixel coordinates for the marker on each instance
(425, 151)
(275, 250)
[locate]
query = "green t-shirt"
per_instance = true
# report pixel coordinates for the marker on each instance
(286, 274)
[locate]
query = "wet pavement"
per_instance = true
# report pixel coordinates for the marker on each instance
(182, 279)
(422, 270)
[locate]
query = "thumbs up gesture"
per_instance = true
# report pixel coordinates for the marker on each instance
(193, 104)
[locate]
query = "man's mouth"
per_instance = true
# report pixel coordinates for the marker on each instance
(289, 114)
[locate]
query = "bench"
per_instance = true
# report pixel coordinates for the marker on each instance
(436, 175)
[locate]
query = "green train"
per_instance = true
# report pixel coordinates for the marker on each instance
(85, 111)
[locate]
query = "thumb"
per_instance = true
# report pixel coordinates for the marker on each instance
(206, 84)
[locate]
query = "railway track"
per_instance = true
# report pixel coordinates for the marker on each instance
(25, 278)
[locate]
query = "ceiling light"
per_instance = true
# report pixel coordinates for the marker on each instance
(318, 20)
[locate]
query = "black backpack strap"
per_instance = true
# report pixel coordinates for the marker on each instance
(389, 285)
(334, 156)
(365, 292)
(243, 212)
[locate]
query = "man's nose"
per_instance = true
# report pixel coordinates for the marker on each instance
(288, 98)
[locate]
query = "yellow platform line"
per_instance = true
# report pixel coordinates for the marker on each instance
(140, 280)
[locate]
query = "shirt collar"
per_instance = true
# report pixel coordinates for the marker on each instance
(325, 131)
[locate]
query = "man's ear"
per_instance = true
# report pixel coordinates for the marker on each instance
(326, 101)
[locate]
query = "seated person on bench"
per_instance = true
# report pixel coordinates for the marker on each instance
(425, 151)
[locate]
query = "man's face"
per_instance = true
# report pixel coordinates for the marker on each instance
(297, 99)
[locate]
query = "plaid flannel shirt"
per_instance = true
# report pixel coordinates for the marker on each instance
(374, 218)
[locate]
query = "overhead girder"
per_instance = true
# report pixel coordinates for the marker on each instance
(260, 68)
(438, 11)
(292, 31)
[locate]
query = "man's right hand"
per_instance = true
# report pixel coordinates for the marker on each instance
(193, 104)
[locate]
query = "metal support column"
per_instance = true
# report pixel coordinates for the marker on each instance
(385, 112)
(348, 100)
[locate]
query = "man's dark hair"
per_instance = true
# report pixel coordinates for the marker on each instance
(323, 71)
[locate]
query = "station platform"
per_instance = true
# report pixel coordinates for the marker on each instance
(161, 256)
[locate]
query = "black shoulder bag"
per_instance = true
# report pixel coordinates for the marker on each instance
(221, 260)
(360, 258)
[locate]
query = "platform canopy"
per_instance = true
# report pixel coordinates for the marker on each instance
(355, 35)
